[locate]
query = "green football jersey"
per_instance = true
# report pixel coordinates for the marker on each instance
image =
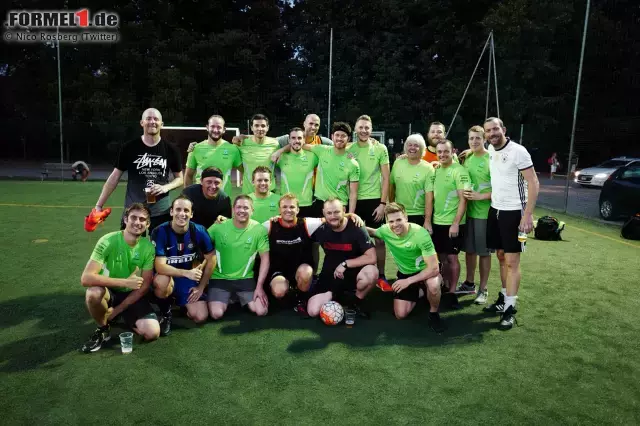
(119, 259)
(297, 175)
(409, 250)
(236, 249)
(335, 173)
(446, 182)
(370, 158)
(265, 208)
(478, 169)
(224, 156)
(412, 182)
(256, 154)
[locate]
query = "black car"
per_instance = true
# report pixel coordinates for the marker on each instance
(620, 195)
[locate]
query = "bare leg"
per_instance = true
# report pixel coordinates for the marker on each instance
(485, 268)
(97, 299)
(471, 260)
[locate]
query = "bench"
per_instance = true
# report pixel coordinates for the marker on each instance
(53, 167)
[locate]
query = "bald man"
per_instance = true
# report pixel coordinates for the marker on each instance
(311, 126)
(154, 168)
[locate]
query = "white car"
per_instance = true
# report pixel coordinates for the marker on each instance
(596, 176)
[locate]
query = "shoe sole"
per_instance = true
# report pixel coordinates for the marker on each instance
(465, 292)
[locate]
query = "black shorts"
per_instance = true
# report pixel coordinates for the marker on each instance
(417, 219)
(411, 293)
(139, 310)
(327, 282)
(308, 211)
(316, 208)
(502, 230)
(288, 275)
(365, 208)
(444, 244)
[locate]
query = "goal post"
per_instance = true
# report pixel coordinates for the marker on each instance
(182, 136)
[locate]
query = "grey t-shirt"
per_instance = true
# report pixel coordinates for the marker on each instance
(148, 165)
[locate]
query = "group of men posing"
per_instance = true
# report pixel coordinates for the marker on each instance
(261, 249)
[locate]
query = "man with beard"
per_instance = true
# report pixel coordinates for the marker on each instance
(213, 152)
(311, 126)
(514, 191)
(373, 187)
(436, 134)
(148, 161)
(114, 287)
(297, 167)
(209, 201)
(184, 262)
(238, 241)
(349, 261)
(256, 151)
(449, 215)
(265, 202)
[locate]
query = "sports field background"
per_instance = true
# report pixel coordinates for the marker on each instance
(573, 359)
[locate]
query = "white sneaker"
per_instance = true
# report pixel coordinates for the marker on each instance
(481, 298)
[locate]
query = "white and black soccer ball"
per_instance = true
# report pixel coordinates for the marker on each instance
(331, 313)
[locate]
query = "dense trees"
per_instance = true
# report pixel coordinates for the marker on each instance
(401, 62)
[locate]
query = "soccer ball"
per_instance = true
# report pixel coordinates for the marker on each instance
(331, 313)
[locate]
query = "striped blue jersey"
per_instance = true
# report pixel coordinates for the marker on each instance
(181, 250)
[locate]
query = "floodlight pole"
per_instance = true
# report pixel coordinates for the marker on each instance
(330, 65)
(60, 105)
(575, 106)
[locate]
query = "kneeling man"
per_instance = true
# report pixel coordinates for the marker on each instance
(349, 261)
(180, 246)
(414, 254)
(114, 287)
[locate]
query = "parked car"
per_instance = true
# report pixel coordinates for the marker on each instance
(620, 195)
(597, 176)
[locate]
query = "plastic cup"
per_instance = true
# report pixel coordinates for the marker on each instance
(151, 198)
(522, 237)
(126, 342)
(349, 317)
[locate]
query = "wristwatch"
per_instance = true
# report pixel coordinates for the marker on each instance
(345, 264)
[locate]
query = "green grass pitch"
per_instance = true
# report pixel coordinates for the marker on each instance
(573, 359)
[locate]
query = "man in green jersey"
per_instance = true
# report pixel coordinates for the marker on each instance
(213, 152)
(297, 167)
(338, 174)
(238, 241)
(414, 254)
(449, 208)
(478, 204)
(265, 202)
(256, 151)
(411, 182)
(373, 187)
(114, 287)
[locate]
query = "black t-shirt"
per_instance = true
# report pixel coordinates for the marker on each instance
(146, 166)
(290, 247)
(206, 211)
(352, 242)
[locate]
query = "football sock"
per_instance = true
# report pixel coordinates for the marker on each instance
(509, 301)
(165, 306)
(503, 291)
